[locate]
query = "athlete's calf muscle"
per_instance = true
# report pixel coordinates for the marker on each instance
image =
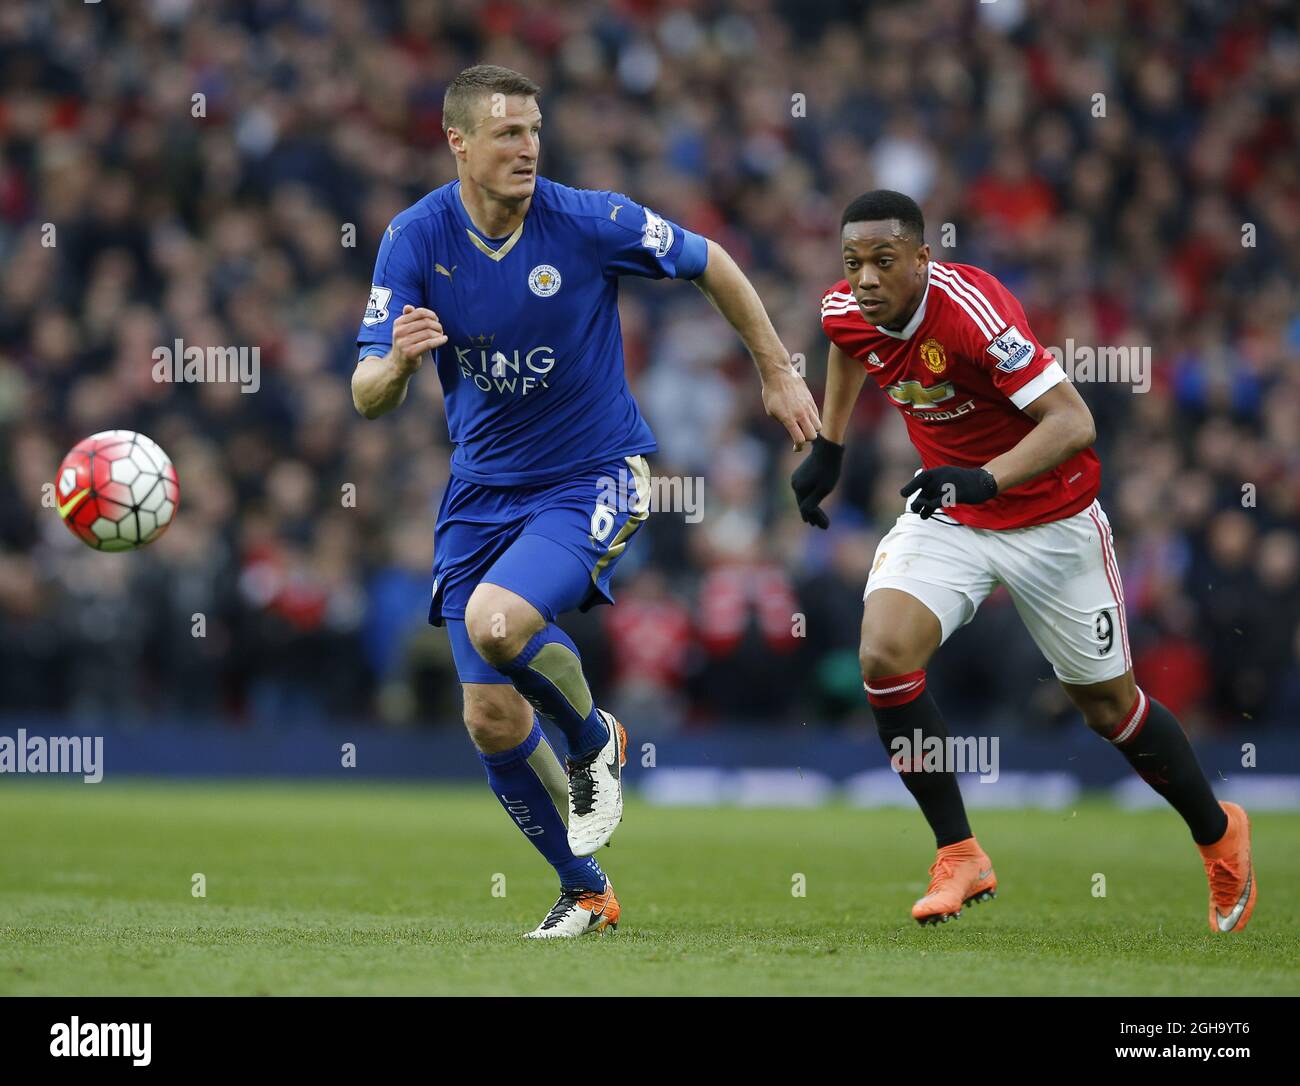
(1104, 704)
(496, 716)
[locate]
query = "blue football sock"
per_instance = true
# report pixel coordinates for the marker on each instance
(548, 672)
(533, 789)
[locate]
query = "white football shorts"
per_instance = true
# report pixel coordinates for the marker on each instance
(1062, 577)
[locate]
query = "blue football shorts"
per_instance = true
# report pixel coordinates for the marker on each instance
(554, 544)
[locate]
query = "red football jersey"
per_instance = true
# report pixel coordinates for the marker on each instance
(961, 372)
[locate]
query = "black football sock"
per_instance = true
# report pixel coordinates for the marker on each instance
(903, 709)
(1156, 746)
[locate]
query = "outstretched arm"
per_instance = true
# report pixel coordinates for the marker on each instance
(785, 395)
(844, 379)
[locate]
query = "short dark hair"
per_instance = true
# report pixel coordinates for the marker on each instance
(886, 204)
(473, 83)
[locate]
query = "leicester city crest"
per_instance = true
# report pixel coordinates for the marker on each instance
(543, 280)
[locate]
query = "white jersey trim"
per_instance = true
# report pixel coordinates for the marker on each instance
(974, 296)
(836, 303)
(978, 321)
(1051, 376)
(917, 317)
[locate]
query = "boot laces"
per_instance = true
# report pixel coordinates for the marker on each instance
(568, 902)
(1225, 881)
(582, 783)
(943, 868)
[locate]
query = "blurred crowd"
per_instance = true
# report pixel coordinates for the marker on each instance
(222, 173)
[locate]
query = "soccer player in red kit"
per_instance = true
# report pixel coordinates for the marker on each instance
(1007, 495)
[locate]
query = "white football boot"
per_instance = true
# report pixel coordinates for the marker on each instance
(596, 791)
(579, 912)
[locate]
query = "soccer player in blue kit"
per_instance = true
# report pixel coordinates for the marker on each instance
(512, 281)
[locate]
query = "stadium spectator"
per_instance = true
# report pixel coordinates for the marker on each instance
(218, 173)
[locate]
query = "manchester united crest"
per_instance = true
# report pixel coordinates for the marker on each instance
(934, 356)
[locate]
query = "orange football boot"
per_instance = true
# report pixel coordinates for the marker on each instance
(1232, 878)
(962, 874)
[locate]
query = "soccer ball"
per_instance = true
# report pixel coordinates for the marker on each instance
(117, 490)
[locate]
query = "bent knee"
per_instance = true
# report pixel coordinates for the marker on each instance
(1106, 706)
(1105, 716)
(882, 657)
(499, 624)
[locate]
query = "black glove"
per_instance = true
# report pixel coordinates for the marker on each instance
(815, 478)
(942, 487)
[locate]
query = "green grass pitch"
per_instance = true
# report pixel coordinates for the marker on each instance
(368, 889)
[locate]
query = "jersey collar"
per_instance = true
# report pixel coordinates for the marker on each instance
(910, 329)
(477, 240)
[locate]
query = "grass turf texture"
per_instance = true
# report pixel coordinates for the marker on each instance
(366, 889)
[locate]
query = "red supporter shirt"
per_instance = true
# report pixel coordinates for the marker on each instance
(961, 373)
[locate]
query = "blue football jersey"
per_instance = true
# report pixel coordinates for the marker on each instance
(532, 370)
